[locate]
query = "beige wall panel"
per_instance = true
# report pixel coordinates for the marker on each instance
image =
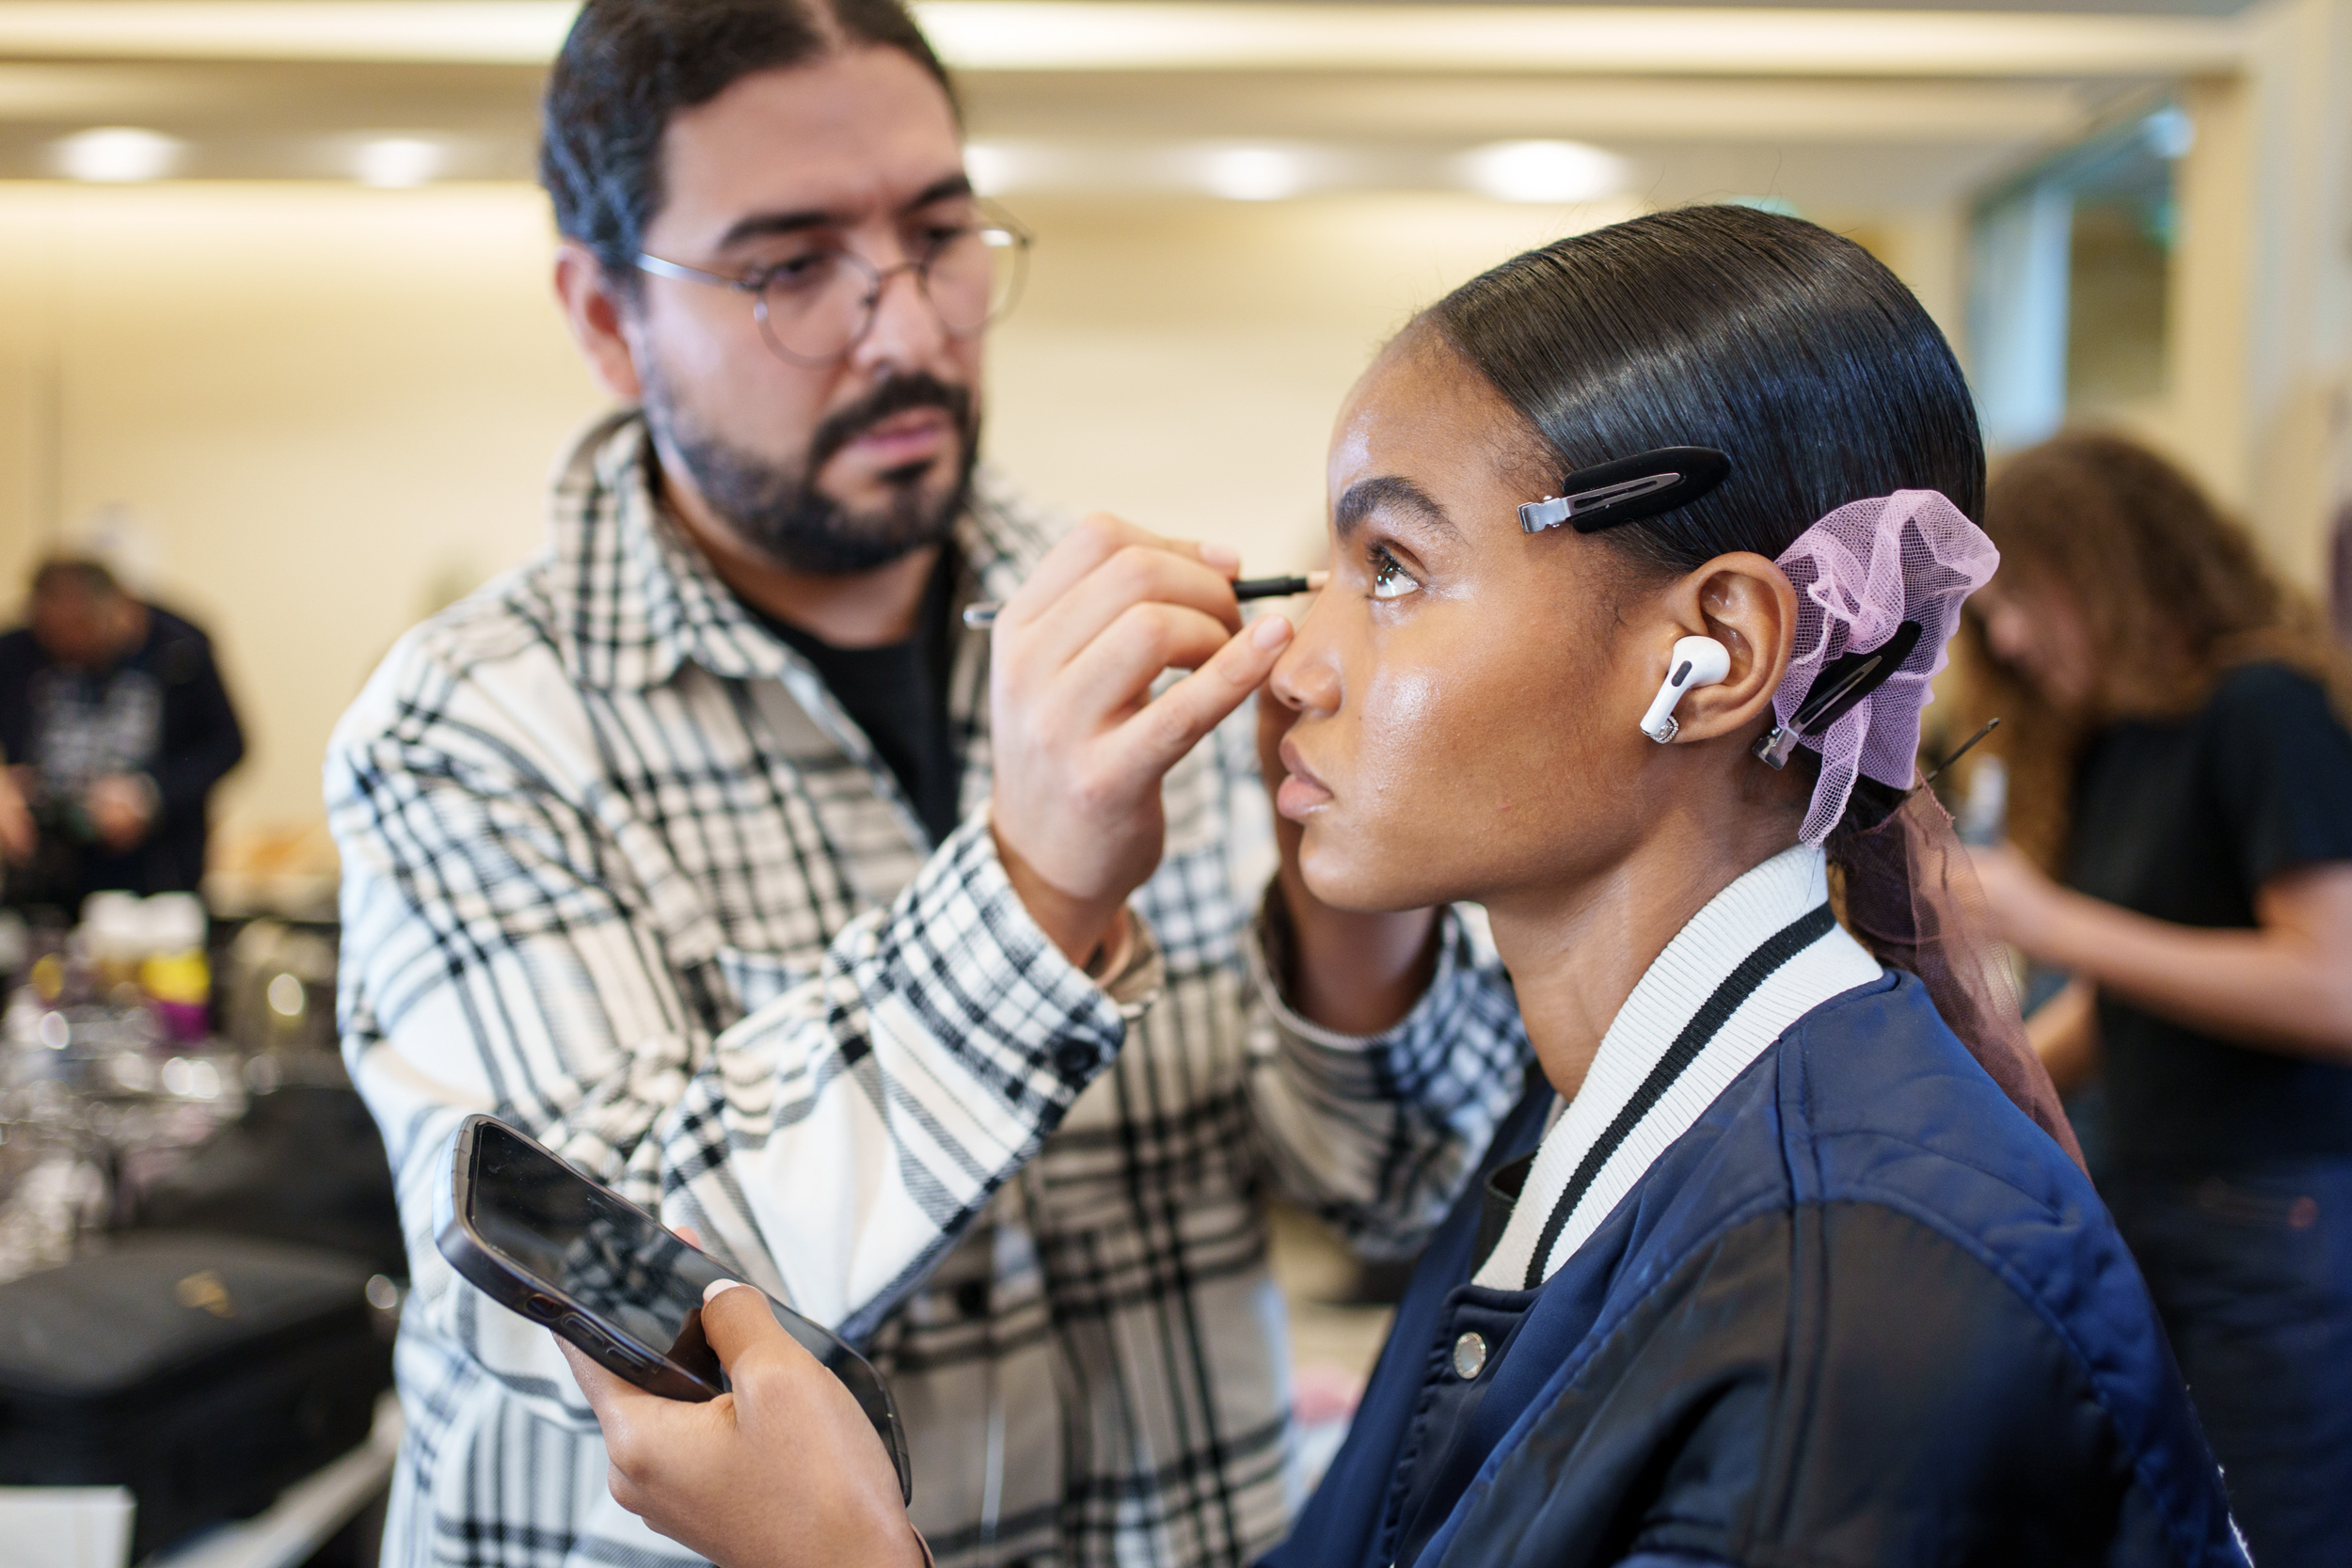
(1181, 362)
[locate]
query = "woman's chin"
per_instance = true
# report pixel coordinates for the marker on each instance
(1342, 881)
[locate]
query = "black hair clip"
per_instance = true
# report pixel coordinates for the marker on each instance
(1843, 682)
(1628, 489)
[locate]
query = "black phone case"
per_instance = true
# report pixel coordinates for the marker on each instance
(614, 1348)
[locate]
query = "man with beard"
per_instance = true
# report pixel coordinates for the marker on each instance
(907, 966)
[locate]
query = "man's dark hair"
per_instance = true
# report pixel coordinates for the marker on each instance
(628, 66)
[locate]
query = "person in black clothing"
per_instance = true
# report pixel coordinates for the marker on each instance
(114, 726)
(2184, 769)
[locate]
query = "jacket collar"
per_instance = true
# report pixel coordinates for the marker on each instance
(1763, 953)
(637, 600)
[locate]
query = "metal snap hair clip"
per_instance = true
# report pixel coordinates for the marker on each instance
(1628, 489)
(1843, 682)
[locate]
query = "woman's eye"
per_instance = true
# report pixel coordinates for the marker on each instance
(1389, 579)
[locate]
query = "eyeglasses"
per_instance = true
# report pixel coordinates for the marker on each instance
(812, 309)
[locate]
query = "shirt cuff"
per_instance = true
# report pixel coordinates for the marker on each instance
(962, 951)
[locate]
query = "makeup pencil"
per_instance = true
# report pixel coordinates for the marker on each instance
(984, 613)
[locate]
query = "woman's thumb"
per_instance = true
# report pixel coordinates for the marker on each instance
(737, 1323)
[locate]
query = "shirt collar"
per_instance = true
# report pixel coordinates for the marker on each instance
(1763, 953)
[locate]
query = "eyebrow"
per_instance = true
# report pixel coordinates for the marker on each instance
(756, 225)
(1366, 496)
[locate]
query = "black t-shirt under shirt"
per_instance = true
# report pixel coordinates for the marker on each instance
(2185, 820)
(897, 694)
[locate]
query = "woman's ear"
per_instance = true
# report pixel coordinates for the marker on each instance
(1748, 604)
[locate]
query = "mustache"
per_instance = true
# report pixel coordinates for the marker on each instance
(897, 395)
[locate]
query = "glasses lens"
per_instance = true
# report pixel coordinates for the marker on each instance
(813, 310)
(976, 278)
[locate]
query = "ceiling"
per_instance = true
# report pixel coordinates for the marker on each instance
(1842, 106)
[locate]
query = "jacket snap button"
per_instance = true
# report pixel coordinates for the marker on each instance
(1073, 1057)
(1469, 1356)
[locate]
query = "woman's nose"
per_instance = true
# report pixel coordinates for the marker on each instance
(1306, 677)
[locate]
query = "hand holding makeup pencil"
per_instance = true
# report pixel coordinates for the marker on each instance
(1079, 741)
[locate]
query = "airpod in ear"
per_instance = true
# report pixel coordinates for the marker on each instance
(1695, 661)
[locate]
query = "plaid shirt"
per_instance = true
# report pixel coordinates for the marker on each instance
(618, 867)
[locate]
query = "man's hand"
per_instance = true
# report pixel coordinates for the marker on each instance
(120, 806)
(19, 838)
(783, 1472)
(1356, 973)
(1080, 744)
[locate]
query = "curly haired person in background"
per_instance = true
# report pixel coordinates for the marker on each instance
(2185, 775)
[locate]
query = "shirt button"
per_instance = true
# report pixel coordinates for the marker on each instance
(972, 1298)
(1469, 1356)
(1072, 1058)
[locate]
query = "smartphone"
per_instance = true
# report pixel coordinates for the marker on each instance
(538, 1237)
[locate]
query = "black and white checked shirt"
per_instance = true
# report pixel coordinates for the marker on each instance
(617, 866)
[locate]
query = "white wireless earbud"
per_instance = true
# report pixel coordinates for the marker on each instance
(1697, 661)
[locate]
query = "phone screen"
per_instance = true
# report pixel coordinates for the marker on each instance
(611, 1258)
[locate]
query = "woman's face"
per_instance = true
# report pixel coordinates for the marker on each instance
(2035, 628)
(1466, 693)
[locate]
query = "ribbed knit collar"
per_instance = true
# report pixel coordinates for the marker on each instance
(1762, 954)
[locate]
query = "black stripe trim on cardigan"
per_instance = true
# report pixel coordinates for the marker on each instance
(1736, 987)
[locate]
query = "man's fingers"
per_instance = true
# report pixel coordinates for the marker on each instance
(1133, 576)
(1098, 541)
(1175, 720)
(1112, 677)
(1095, 540)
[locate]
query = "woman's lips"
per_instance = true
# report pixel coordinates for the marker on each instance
(1301, 793)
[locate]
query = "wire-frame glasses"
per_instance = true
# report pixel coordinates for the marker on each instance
(812, 309)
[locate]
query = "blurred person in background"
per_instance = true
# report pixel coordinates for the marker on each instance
(2182, 816)
(911, 966)
(115, 727)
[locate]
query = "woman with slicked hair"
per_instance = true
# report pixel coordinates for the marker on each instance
(1644, 547)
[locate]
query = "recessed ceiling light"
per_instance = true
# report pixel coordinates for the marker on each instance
(1254, 173)
(1549, 171)
(117, 155)
(398, 162)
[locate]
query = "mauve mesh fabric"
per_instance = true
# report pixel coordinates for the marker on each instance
(1861, 571)
(1911, 893)
(1913, 899)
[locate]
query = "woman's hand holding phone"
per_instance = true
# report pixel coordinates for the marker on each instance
(785, 1471)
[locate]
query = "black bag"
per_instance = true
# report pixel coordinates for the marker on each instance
(204, 1372)
(304, 1164)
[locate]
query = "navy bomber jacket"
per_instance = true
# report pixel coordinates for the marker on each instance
(1850, 1307)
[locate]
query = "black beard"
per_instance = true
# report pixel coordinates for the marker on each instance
(778, 510)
